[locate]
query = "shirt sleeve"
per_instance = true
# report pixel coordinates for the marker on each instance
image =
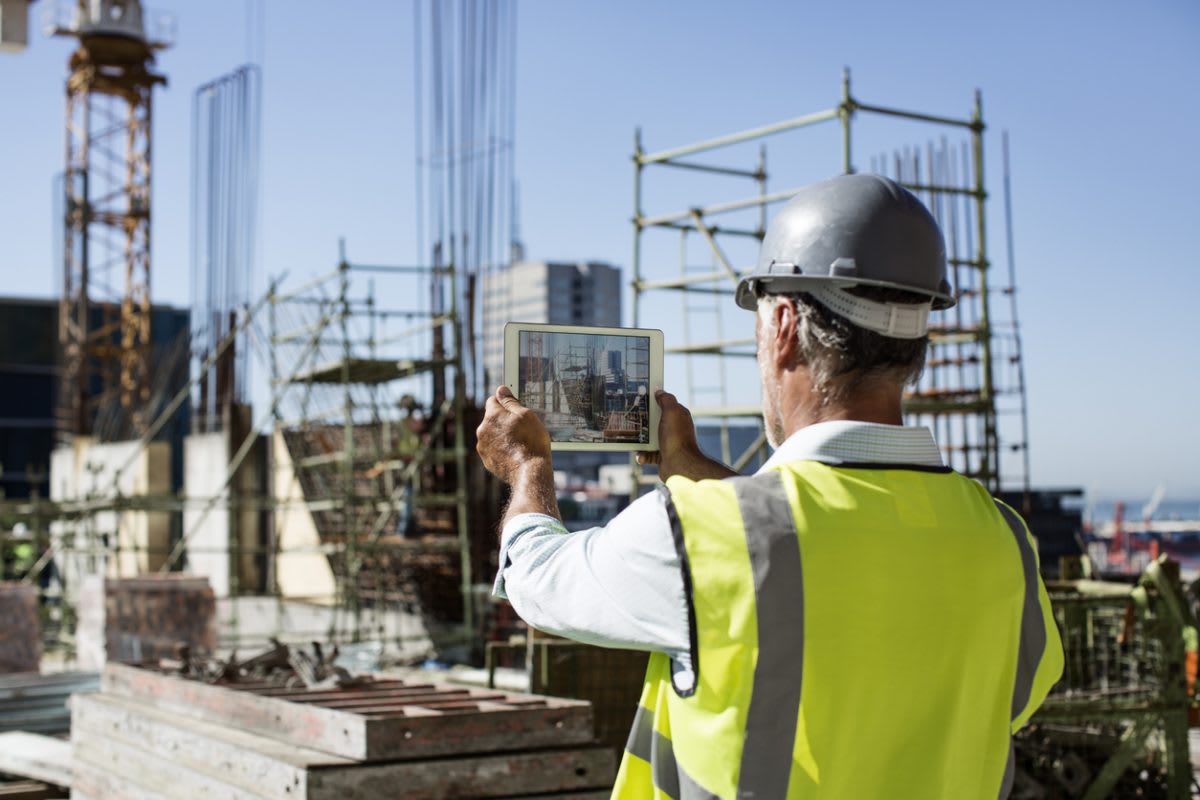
(615, 586)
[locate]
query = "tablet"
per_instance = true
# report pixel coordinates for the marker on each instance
(592, 387)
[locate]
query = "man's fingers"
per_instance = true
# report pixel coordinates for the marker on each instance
(645, 457)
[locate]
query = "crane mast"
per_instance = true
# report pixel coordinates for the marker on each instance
(105, 312)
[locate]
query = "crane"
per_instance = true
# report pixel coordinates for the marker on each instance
(104, 310)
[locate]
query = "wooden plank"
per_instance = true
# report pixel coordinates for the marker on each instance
(31, 755)
(271, 768)
(474, 777)
(323, 729)
(150, 775)
(407, 732)
(478, 732)
(31, 790)
(95, 783)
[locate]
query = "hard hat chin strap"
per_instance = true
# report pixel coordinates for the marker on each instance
(897, 320)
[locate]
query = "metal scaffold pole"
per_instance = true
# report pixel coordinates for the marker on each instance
(462, 515)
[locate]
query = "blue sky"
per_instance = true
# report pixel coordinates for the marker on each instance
(1102, 102)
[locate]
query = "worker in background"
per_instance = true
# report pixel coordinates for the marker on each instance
(856, 620)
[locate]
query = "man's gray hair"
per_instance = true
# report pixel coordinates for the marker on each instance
(842, 357)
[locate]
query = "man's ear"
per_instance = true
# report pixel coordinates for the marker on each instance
(785, 343)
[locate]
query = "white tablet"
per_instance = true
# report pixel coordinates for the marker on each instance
(592, 387)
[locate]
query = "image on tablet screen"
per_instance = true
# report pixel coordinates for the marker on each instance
(587, 387)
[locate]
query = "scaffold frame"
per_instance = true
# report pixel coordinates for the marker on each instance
(957, 396)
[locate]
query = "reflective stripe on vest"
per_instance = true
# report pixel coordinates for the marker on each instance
(779, 608)
(771, 718)
(654, 748)
(1033, 635)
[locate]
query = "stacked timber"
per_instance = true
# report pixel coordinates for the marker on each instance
(150, 734)
(146, 618)
(20, 634)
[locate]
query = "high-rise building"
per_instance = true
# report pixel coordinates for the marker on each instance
(557, 293)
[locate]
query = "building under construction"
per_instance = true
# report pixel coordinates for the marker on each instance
(235, 560)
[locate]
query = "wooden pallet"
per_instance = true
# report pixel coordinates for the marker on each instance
(152, 735)
(387, 719)
(124, 748)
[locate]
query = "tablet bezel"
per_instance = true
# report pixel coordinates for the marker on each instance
(655, 378)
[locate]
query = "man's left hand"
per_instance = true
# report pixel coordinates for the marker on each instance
(511, 437)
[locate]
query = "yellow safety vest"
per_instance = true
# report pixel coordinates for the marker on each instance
(857, 631)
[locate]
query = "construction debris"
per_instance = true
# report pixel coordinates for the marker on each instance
(283, 666)
(20, 635)
(151, 733)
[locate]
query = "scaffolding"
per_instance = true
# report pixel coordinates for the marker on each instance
(377, 457)
(973, 372)
(384, 473)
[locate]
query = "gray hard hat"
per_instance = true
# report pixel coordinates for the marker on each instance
(852, 230)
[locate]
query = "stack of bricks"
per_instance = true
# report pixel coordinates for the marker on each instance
(20, 633)
(150, 734)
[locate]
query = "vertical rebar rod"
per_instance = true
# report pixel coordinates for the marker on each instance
(273, 522)
(460, 461)
(990, 454)
(635, 267)
(845, 111)
(1016, 326)
(351, 557)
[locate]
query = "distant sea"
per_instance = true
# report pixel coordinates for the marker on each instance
(1101, 511)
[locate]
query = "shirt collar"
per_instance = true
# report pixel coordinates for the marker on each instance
(852, 441)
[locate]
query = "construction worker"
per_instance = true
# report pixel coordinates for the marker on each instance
(856, 620)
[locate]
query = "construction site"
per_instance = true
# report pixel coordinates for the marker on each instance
(248, 546)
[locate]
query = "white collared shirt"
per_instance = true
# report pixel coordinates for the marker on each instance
(620, 585)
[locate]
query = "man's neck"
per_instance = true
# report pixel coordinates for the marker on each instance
(878, 402)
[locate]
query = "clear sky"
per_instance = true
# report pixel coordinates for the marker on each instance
(1101, 100)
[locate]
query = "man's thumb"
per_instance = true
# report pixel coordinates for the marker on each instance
(507, 398)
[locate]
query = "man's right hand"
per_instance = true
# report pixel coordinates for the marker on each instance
(678, 450)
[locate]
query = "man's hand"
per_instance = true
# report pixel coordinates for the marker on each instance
(515, 447)
(679, 453)
(510, 436)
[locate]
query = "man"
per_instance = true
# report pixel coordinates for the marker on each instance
(854, 621)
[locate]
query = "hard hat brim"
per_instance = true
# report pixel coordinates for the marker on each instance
(750, 288)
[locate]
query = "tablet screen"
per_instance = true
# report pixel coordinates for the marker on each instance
(586, 387)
